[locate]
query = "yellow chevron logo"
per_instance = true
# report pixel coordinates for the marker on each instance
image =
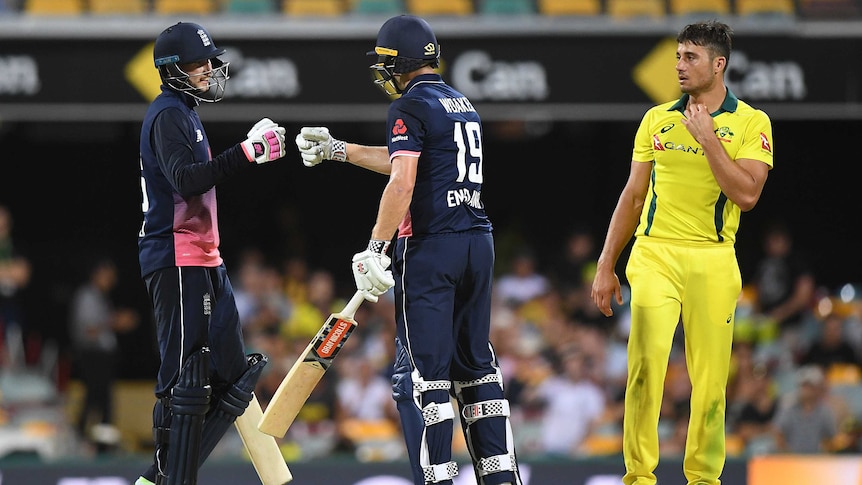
(656, 73)
(142, 74)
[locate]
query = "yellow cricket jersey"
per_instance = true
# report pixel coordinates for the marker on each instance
(684, 200)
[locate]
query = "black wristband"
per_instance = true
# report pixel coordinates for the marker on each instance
(378, 246)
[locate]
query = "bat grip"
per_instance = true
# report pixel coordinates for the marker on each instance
(353, 304)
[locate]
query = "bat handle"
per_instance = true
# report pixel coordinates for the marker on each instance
(353, 304)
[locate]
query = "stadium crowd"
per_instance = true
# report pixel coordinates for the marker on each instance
(796, 358)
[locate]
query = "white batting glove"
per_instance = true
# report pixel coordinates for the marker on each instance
(265, 142)
(263, 123)
(310, 151)
(369, 270)
(315, 145)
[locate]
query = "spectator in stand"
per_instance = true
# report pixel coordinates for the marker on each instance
(95, 321)
(320, 302)
(15, 272)
(754, 409)
(366, 410)
(261, 304)
(573, 405)
(522, 283)
(783, 279)
(296, 279)
(808, 425)
(831, 351)
(572, 274)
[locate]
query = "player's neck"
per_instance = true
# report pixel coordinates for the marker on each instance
(712, 98)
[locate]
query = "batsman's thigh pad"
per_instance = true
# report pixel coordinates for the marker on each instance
(190, 402)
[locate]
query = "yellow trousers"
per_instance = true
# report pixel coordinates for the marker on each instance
(698, 284)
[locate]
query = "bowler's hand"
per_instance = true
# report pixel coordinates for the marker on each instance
(606, 284)
(699, 122)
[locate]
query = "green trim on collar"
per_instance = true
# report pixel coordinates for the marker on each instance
(729, 105)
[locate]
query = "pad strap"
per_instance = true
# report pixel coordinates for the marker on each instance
(485, 409)
(422, 386)
(436, 412)
(487, 379)
(438, 473)
(495, 464)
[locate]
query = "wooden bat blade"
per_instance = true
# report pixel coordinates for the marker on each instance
(291, 395)
(309, 368)
(262, 449)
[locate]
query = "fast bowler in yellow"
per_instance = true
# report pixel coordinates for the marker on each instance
(698, 162)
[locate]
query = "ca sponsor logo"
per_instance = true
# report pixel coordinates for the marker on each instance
(19, 75)
(479, 77)
(756, 79)
(255, 77)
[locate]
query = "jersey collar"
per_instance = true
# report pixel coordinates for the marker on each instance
(729, 104)
(423, 78)
(189, 101)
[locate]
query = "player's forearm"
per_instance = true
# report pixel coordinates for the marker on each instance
(736, 182)
(622, 226)
(374, 158)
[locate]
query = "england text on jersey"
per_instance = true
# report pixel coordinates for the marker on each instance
(455, 198)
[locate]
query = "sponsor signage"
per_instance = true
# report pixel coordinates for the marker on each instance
(545, 77)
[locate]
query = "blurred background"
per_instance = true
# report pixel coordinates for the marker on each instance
(561, 86)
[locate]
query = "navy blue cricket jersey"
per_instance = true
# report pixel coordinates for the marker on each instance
(436, 123)
(178, 178)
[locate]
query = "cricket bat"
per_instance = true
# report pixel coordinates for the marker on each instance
(262, 449)
(308, 369)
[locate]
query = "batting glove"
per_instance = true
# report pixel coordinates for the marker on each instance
(316, 145)
(369, 270)
(265, 142)
(263, 123)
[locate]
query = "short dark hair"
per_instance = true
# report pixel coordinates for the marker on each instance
(712, 34)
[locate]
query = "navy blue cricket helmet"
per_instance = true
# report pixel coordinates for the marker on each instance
(404, 43)
(188, 42)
